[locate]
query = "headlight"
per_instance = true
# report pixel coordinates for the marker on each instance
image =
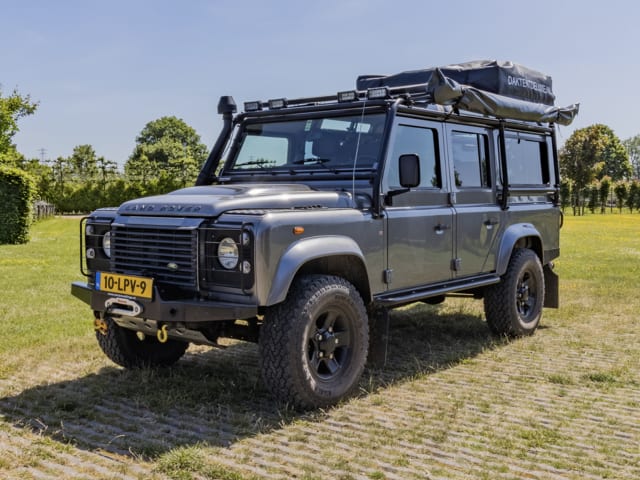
(106, 244)
(228, 253)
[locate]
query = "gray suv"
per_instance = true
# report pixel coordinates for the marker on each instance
(313, 217)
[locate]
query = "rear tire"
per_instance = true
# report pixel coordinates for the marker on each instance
(313, 346)
(513, 307)
(123, 347)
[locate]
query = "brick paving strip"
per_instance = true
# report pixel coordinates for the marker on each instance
(545, 407)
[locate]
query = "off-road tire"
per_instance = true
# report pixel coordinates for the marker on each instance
(513, 307)
(313, 346)
(123, 347)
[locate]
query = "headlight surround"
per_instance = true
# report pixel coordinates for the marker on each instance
(228, 254)
(106, 244)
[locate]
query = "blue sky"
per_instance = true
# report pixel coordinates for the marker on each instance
(102, 70)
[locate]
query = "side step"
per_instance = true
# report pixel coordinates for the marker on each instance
(396, 298)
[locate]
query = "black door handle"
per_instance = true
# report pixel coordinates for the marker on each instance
(440, 228)
(490, 223)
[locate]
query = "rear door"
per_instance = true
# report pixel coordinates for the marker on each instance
(477, 213)
(419, 223)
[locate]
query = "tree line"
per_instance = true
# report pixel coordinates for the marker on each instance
(599, 171)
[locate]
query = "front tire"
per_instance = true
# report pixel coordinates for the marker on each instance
(513, 307)
(313, 346)
(124, 347)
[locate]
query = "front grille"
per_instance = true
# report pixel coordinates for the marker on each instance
(170, 256)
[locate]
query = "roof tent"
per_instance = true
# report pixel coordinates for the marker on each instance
(488, 87)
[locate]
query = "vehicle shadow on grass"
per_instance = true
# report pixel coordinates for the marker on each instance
(216, 397)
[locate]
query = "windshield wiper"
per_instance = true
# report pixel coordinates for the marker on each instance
(316, 161)
(304, 161)
(260, 163)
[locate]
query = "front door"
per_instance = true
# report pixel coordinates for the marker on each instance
(419, 222)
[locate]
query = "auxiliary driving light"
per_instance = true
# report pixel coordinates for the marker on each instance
(277, 103)
(377, 93)
(252, 106)
(246, 267)
(349, 96)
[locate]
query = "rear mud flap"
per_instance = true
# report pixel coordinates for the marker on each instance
(551, 288)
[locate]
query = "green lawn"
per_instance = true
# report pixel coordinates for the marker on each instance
(39, 318)
(453, 402)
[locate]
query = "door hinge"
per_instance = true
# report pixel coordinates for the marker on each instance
(456, 263)
(387, 276)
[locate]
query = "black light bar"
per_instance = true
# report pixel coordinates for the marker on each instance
(253, 106)
(277, 103)
(348, 96)
(378, 93)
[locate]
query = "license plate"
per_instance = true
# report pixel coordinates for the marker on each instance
(124, 284)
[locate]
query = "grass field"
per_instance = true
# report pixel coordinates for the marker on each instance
(452, 402)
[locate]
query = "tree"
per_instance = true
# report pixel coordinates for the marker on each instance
(83, 163)
(43, 176)
(621, 192)
(166, 145)
(108, 171)
(592, 153)
(634, 194)
(616, 159)
(593, 193)
(565, 193)
(12, 108)
(633, 150)
(605, 188)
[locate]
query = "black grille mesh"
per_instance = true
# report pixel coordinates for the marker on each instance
(169, 255)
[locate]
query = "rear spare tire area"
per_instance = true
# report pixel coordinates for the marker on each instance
(313, 346)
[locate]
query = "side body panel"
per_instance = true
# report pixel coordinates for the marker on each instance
(349, 234)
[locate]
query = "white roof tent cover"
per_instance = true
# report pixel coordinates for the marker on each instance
(489, 87)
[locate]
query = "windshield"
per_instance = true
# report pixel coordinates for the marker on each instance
(331, 142)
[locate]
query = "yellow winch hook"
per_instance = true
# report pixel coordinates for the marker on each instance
(99, 325)
(163, 334)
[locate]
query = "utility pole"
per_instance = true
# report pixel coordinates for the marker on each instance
(43, 152)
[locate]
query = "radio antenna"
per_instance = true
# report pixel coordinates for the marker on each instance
(355, 158)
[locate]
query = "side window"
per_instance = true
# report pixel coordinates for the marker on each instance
(422, 142)
(527, 162)
(470, 161)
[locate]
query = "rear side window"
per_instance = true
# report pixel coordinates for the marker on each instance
(470, 162)
(527, 162)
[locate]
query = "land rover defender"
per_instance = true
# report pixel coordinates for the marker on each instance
(313, 217)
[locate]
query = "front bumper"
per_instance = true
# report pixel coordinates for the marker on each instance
(169, 310)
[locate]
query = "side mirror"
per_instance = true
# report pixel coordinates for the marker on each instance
(409, 170)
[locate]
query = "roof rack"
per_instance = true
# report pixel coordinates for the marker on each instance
(499, 89)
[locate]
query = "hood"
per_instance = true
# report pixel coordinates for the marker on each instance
(213, 200)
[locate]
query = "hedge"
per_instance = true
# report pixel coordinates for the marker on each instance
(17, 193)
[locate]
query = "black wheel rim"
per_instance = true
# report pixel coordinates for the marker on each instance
(329, 344)
(527, 296)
